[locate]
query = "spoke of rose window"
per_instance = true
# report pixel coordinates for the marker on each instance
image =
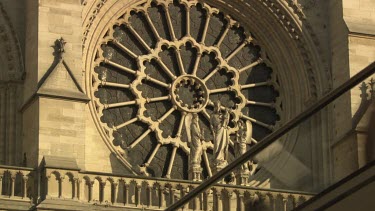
(140, 138)
(270, 127)
(115, 105)
(180, 63)
(180, 126)
(260, 60)
(168, 175)
(126, 123)
(169, 23)
(211, 74)
(205, 113)
(151, 24)
(238, 49)
(149, 160)
(227, 27)
(225, 89)
(197, 60)
(114, 64)
(166, 69)
(270, 105)
(207, 162)
(187, 21)
(157, 99)
(254, 141)
(206, 26)
(139, 38)
(155, 81)
(247, 86)
(125, 49)
(222, 108)
(161, 119)
(132, 145)
(115, 85)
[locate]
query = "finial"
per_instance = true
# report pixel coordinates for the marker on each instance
(60, 45)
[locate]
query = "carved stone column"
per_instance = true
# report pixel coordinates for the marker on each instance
(162, 197)
(172, 192)
(138, 195)
(13, 180)
(91, 186)
(24, 186)
(78, 188)
(102, 192)
(126, 186)
(61, 187)
(115, 189)
(205, 200)
(241, 201)
(218, 200)
(149, 195)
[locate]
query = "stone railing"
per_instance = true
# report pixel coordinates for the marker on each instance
(16, 183)
(98, 189)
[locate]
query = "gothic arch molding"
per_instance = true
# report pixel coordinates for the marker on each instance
(10, 50)
(278, 27)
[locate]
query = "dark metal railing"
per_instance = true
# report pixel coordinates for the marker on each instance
(328, 98)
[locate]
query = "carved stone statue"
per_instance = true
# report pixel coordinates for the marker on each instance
(196, 142)
(243, 137)
(240, 144)
(195, 138)
(219, 126)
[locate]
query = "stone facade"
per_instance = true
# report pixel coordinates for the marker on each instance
(53, 98)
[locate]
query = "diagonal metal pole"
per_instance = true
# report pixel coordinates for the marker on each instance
(328, 98)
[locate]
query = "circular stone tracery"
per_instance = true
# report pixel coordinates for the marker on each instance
(189, 93)
(163, 59)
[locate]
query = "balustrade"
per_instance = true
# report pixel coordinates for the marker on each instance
(137, 192)
(15, 182)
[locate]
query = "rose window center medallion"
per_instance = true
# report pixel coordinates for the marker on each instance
(160, 69)
(189, 93)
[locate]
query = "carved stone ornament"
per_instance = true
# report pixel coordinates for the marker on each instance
(161, 62)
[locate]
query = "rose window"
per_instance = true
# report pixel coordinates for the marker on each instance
(162, 60)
